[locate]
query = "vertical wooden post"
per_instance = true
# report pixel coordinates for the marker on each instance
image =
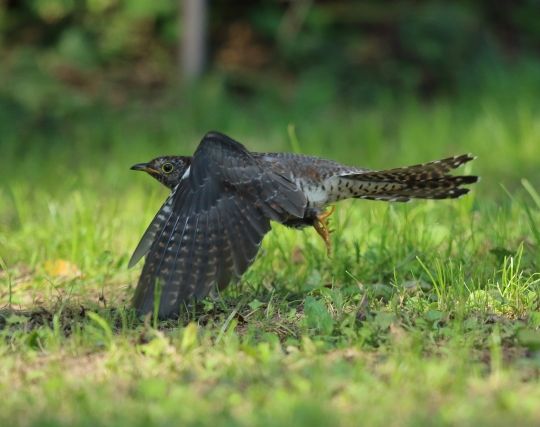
(192, 55)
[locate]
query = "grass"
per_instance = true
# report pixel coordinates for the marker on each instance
(426, 313)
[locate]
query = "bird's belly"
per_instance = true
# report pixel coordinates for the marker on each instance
(316, 197)
(316, 194)
(320, 194)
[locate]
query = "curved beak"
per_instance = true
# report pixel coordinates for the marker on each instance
(143, 167)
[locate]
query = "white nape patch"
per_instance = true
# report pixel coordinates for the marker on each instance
(186, 173)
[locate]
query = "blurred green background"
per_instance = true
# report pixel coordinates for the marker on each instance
(64, 54)
(90, 86)
(425, 314)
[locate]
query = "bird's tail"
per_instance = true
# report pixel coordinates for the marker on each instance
(424, 181)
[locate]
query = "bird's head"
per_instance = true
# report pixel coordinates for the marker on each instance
(168, 170)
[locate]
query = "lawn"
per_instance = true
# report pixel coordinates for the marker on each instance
(426, 313)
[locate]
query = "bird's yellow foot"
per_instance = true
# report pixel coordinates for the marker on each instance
(321, 226)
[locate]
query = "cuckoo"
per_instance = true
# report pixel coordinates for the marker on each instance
(224, 197)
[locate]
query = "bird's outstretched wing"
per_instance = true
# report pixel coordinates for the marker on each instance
(152, 231)
(211, 227)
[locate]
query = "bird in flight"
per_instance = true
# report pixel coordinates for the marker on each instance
(210, 228)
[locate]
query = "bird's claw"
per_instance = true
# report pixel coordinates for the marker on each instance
(321, 226)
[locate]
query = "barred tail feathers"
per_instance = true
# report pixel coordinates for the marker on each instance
(423, 181)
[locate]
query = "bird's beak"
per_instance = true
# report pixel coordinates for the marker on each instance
(143, 167)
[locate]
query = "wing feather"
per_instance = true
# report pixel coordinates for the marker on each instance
(156, 226)
(210, 229)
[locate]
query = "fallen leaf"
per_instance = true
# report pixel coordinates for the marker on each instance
(62, 268)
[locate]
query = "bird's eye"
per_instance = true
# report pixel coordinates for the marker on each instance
(167, 167)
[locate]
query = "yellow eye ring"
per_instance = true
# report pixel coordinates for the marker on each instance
(167, 167)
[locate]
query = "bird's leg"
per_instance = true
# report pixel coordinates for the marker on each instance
(321, 226)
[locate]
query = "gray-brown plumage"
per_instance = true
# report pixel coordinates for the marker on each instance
(208, 231)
